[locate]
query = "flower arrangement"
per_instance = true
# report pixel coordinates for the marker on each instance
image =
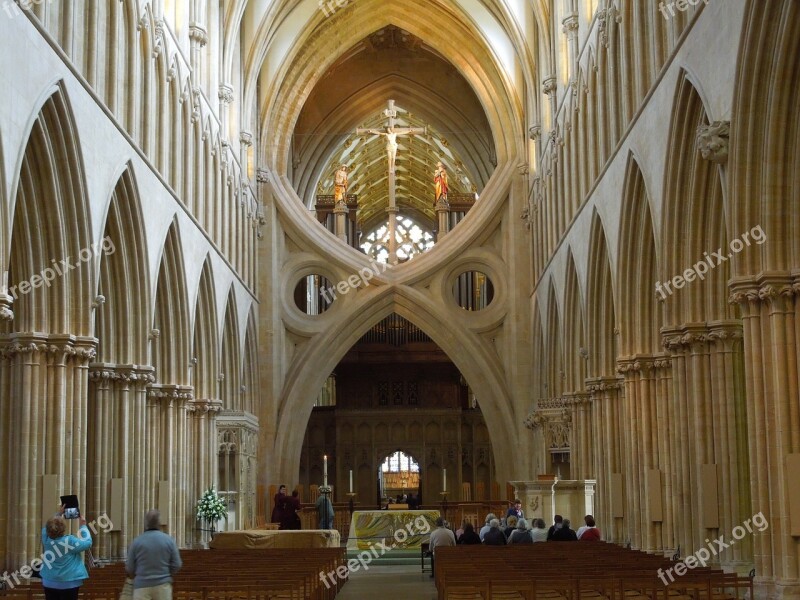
(211, 507)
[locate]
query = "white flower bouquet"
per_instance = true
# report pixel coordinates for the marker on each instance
(211, 507)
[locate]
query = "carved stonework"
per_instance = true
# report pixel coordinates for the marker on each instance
(6, 314)
(535, 132)
(713, 141)
(554, 417)
(570, 26)
(225, 94)
(170, 393)
(198, 34)
(63, 347)
(125, 374)
(246, 138)
(262, 176)
(549, 85)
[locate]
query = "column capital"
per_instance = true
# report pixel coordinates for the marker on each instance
(198, 34)
(549, 85)
(225, 94)
(6, 314)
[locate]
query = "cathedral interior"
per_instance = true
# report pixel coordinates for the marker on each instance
(424, 246)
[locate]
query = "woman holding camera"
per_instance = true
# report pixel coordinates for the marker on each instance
(63, 570)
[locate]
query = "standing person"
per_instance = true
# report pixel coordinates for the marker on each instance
(324, 512)
(277, 507)
(441, 536)
(289, 517)
(153, 559)
(62, 578)
(516, 510)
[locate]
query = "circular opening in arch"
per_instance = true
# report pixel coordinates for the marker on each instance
(313, 294)
(473, 290)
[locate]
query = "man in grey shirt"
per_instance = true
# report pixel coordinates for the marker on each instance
(153, 559)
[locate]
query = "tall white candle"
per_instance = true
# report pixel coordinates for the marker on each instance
(444, 480)
(325, 470)
(351, 481)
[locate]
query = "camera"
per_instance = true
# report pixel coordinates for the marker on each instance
(71, 507)
(71, 513)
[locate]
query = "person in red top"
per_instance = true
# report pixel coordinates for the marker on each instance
(589, 532)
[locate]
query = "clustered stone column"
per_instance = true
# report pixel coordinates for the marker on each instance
(167, 433)
(771, 317)
(606, 404)
(203, 428)
(47, 377)
(708, 411)
(646, 421)
(117, 405)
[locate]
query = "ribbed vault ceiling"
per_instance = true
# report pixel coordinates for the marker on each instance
(428, 91)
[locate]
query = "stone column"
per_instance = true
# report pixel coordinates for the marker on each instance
(443, 217)
(770, 313)
(340, 212)
(606, 395)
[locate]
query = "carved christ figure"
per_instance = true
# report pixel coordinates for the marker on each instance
(440, 181)
(340, 185)
(391, 134)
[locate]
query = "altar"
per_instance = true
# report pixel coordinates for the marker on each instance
(256, 539)
(406, 529)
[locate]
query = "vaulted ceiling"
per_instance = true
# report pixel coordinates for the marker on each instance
(429, 92)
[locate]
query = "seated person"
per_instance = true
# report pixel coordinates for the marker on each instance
(469, 536)
(511, 525)
(495, 535)
(539, 531)
(589, 532)
(557, 520)
(521, 535)
(485, 528)
(564, 534)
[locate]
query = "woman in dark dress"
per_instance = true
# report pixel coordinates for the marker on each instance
(277, 506)
(469, 536)
(290, 518)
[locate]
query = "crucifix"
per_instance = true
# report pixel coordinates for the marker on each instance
(391, 132)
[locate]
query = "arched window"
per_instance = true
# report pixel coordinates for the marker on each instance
(398, 463)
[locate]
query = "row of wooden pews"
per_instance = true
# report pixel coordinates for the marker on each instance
(574, 571)
(270, 574)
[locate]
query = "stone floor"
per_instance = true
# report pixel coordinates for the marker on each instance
(398, 582)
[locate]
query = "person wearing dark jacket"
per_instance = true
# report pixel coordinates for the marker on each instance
(469, 536)
(495, 535)
(564, 533)
(557, 520)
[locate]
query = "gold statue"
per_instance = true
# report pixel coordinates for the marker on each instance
(440, 181)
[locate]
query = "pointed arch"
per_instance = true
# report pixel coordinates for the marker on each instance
(171, 314)
(574, 331)
(122, 321)
(205, 356)
(693, 198)
(250, 365)
(230, 368)
(314, 362)
(52, 223)
(554, 346)
(637, 269)
(601, 311)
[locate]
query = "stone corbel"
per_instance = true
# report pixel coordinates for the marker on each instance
(713, 141)
(225, 93)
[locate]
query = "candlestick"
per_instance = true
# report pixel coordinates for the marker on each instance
(351, 481)
(325, 470)
(444, 480)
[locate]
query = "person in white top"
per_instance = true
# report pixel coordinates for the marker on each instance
(589, 530)
(441, 536)
(539, 531)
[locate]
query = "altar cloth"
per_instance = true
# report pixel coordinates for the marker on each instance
(406, 529)
(252, 539)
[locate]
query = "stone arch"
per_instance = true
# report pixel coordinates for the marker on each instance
(574, 331)
(230, 367)
(249, 375)
(171, 315)
(205, 358)
(554, 356)
(51, 200)
(641, 317)
(319, 358)
(122, 321)
(693, 197)
(601, 312)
